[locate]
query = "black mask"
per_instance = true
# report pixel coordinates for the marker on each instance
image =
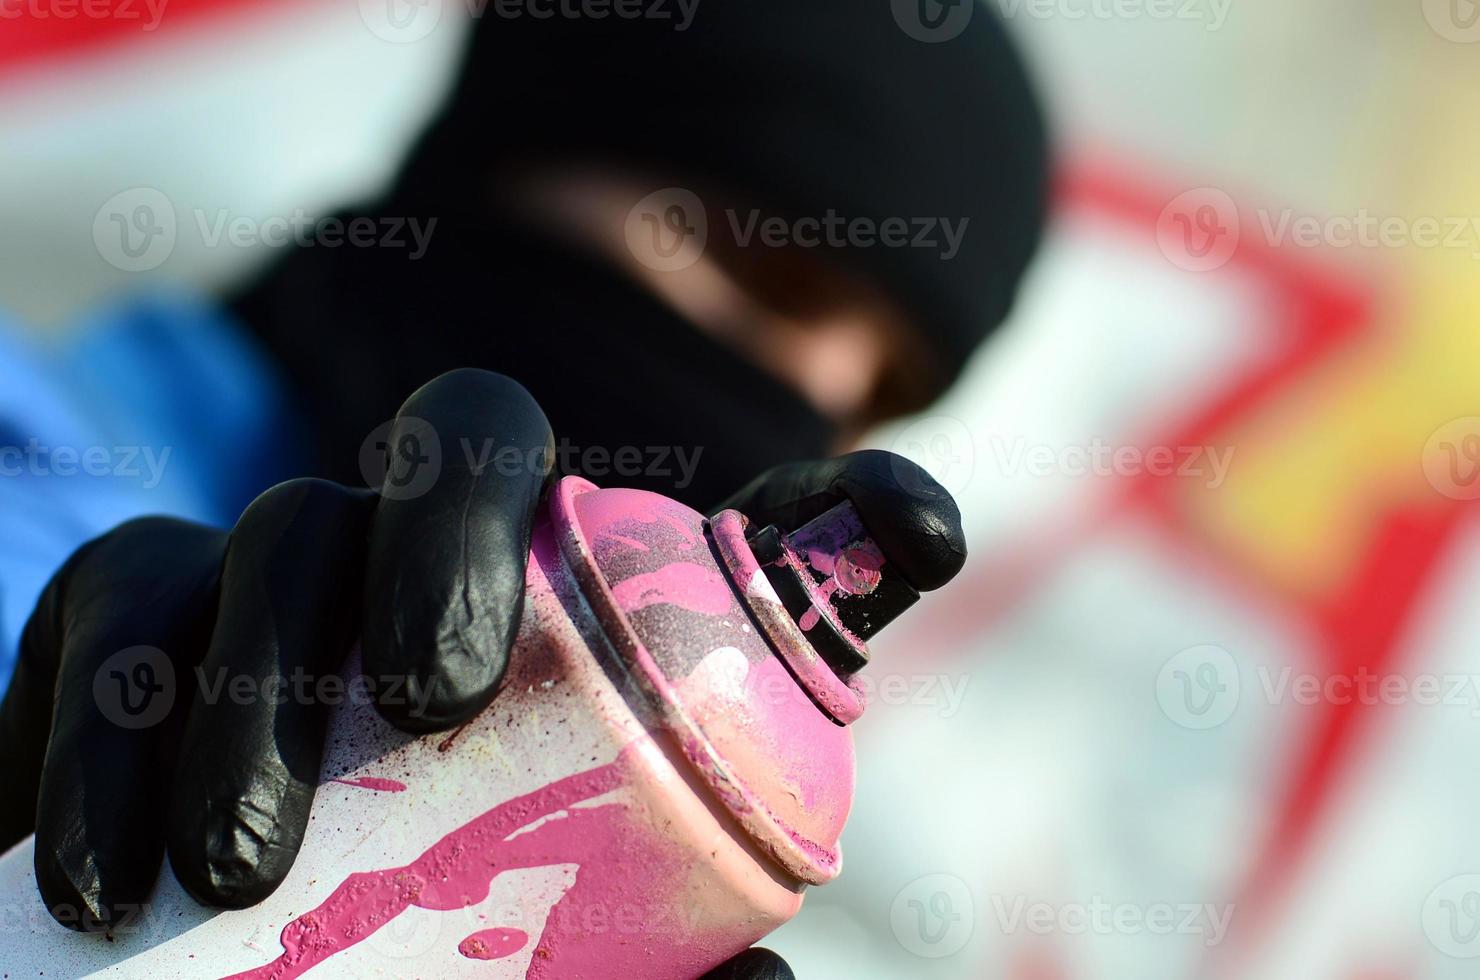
(791, 107)
(636, 395)
(798, 106)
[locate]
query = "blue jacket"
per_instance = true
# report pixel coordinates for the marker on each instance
(162, 405)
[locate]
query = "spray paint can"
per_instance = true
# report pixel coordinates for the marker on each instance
(665, 770)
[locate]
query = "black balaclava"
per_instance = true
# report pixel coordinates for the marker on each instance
(796, 107)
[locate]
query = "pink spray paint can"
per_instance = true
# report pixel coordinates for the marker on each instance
(665, 770)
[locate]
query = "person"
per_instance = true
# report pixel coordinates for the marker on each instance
(570, 148)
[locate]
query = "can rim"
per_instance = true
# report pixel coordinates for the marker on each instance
(806, 860)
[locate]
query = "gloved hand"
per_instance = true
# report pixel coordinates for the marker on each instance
(431, 584)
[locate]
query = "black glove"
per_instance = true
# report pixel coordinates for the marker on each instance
(272, 598)
(753, 964)
(275, 596)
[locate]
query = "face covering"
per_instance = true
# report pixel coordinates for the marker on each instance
(636, 396)
(909, 110)
(912, 114)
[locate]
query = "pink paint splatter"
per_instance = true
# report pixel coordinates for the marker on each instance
(493, 944)
(860, 569)
(682, 526)
(458, 872)
(373, 782)
(821, 594)
(681, 583)
(623, 539)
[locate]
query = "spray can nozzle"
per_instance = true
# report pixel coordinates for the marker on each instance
(835, 582)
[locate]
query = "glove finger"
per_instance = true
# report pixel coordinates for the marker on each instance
(753, 964)
(254, 738)
(25, 714)
(444, 585)
(130, 620)
(912, 517)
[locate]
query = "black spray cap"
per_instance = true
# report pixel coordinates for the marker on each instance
(835, 582)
